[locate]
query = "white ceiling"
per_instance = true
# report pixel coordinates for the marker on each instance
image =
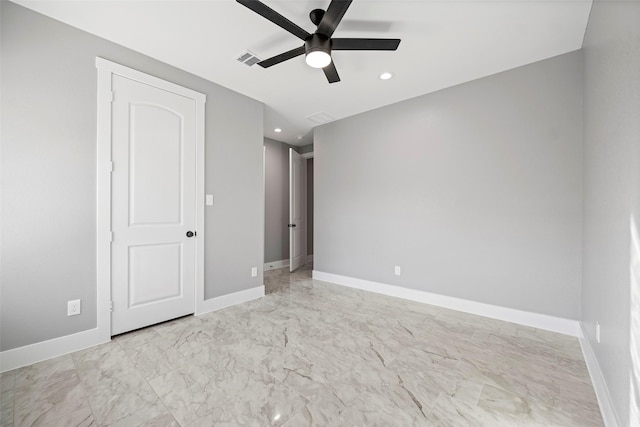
(444, 43)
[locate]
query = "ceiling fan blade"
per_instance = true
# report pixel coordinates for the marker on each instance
(333, 16)
(331, 73)
(364, 44)
(266, 63)
(273, 16)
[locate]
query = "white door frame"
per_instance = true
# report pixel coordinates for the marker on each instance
(106, 69)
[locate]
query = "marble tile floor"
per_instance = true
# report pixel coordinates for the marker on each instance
(312, 353)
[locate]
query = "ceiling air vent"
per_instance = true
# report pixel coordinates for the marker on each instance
(248, 58)
(320, 118)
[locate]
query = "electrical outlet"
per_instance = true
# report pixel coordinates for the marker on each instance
(254, 271)
(397, 270)
(73, 307)
(598, 332)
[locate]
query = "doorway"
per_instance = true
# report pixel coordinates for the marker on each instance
(277, 206)
(150, 198)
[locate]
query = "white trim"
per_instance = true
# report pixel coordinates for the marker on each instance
(605, 402)
(218, 303)
(276, 264)
(264, 204)
(200, 100)
(308, 155)
(130, 73)
(106, 70)
(103, 203)
(536, 320)
(44, 350)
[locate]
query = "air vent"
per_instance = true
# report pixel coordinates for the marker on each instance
(248, 58)
(320, 118)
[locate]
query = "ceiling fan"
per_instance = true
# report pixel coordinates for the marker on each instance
(317, 47)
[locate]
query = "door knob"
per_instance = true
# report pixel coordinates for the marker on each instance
(191, 233)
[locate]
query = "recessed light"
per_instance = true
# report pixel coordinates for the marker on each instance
(386, 76)
(278, 130)
(299, 136)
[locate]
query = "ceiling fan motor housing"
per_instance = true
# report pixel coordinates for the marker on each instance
(317, 42)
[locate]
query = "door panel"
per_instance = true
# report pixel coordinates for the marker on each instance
(155, 193)
(153, 205)
(154, 273)
(297, 211)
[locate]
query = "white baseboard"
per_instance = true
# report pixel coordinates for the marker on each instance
(218, 303)
(536, 320)
(34, 353)
(607, 409)
(276, 264)
(283, 263)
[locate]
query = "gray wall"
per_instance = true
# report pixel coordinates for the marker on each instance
(276, 199)
(48, 182)
(475, 191)
(611, 196)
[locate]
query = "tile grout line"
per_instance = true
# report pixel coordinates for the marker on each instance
(84, 390)
(144, 377)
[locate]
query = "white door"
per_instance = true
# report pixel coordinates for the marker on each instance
(297, 211)
(153, 205)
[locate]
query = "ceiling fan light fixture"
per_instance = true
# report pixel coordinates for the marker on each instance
(317, 51)
(318, 59)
